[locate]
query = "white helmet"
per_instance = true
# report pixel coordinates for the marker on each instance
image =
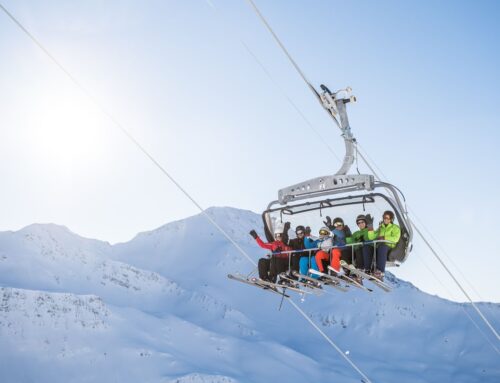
(279, 228)
(324, 231)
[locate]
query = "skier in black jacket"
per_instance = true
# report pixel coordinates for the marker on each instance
(297, 244)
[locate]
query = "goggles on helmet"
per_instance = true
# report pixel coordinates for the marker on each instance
(324, 232)
(338, 224)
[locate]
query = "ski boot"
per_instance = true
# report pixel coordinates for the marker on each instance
(379, 275)
(357, 278)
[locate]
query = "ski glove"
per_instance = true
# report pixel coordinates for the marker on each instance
(253, 233)
(369, 221)
(328, 223)
(286, 227)
(347, 231)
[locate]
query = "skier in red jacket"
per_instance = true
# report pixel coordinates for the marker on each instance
(270, 268)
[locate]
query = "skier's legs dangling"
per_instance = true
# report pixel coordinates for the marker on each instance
(335, 263)
(382, 252)
(320, 257)
(367, 257)
(264, 266)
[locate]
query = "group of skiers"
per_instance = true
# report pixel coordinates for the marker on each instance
(334, 243)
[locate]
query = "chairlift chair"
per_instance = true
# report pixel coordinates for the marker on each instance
(333, 193)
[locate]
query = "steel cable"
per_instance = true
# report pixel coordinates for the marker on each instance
(166, 173)
(294, 64)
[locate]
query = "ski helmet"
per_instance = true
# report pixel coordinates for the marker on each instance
(338, 220)
(361, 217)
(279, 229)
(324, 231)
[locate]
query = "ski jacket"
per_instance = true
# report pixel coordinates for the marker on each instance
(310, 242)
(390, 232)
(339, 237)
(275, 247)
(325, 243)
(298, 244)
(362, 235)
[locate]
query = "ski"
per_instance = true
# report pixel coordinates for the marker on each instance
(268, 285)
(291, 288)
(343, 278)
(316, 289)
(264, 285)
(335, 285)
(349, 280)
(368, 277)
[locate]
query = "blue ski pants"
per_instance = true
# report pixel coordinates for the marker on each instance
(381, 256)
(305, 265)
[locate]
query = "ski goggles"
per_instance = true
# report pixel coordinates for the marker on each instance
(324, 232)
(338, 224)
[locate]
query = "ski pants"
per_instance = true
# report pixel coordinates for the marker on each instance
(305, 265)
(270, 268)
(296, 261)
(382, 252)
(264, 267)
(334, 258)
(354, 256)
(324, 256)
(359, 261)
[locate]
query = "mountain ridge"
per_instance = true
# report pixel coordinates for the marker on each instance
(183, 304)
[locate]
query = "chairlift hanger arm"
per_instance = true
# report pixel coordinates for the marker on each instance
(335, 104)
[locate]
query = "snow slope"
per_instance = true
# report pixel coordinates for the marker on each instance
(159, 308)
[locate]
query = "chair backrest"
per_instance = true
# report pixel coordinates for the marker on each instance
(398, 253)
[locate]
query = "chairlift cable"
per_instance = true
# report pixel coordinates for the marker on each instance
(366, 379)
(294, 64)
(449, 259)
(163, 170)
(118, 125)
(374, 163)
(452, 294)
(442, 263)
(294, 105)
(280, 89)
(456, 281)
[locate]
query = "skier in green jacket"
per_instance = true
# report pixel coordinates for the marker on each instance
(361, 236)
(388, 231)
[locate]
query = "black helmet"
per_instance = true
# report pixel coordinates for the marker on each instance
(361, 217)
(390, 214)
(338, 220)
(300, 228)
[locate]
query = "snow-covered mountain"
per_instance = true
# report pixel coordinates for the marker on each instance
(160, 309)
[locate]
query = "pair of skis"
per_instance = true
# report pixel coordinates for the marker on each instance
(336, 278)
(384, 286)
(312, 285)
(317, 284)
(276, 288)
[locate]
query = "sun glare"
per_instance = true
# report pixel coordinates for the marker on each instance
(69, 130)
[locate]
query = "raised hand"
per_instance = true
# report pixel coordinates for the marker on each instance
(328, 223)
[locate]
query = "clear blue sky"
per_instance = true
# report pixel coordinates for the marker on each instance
(176, 75)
